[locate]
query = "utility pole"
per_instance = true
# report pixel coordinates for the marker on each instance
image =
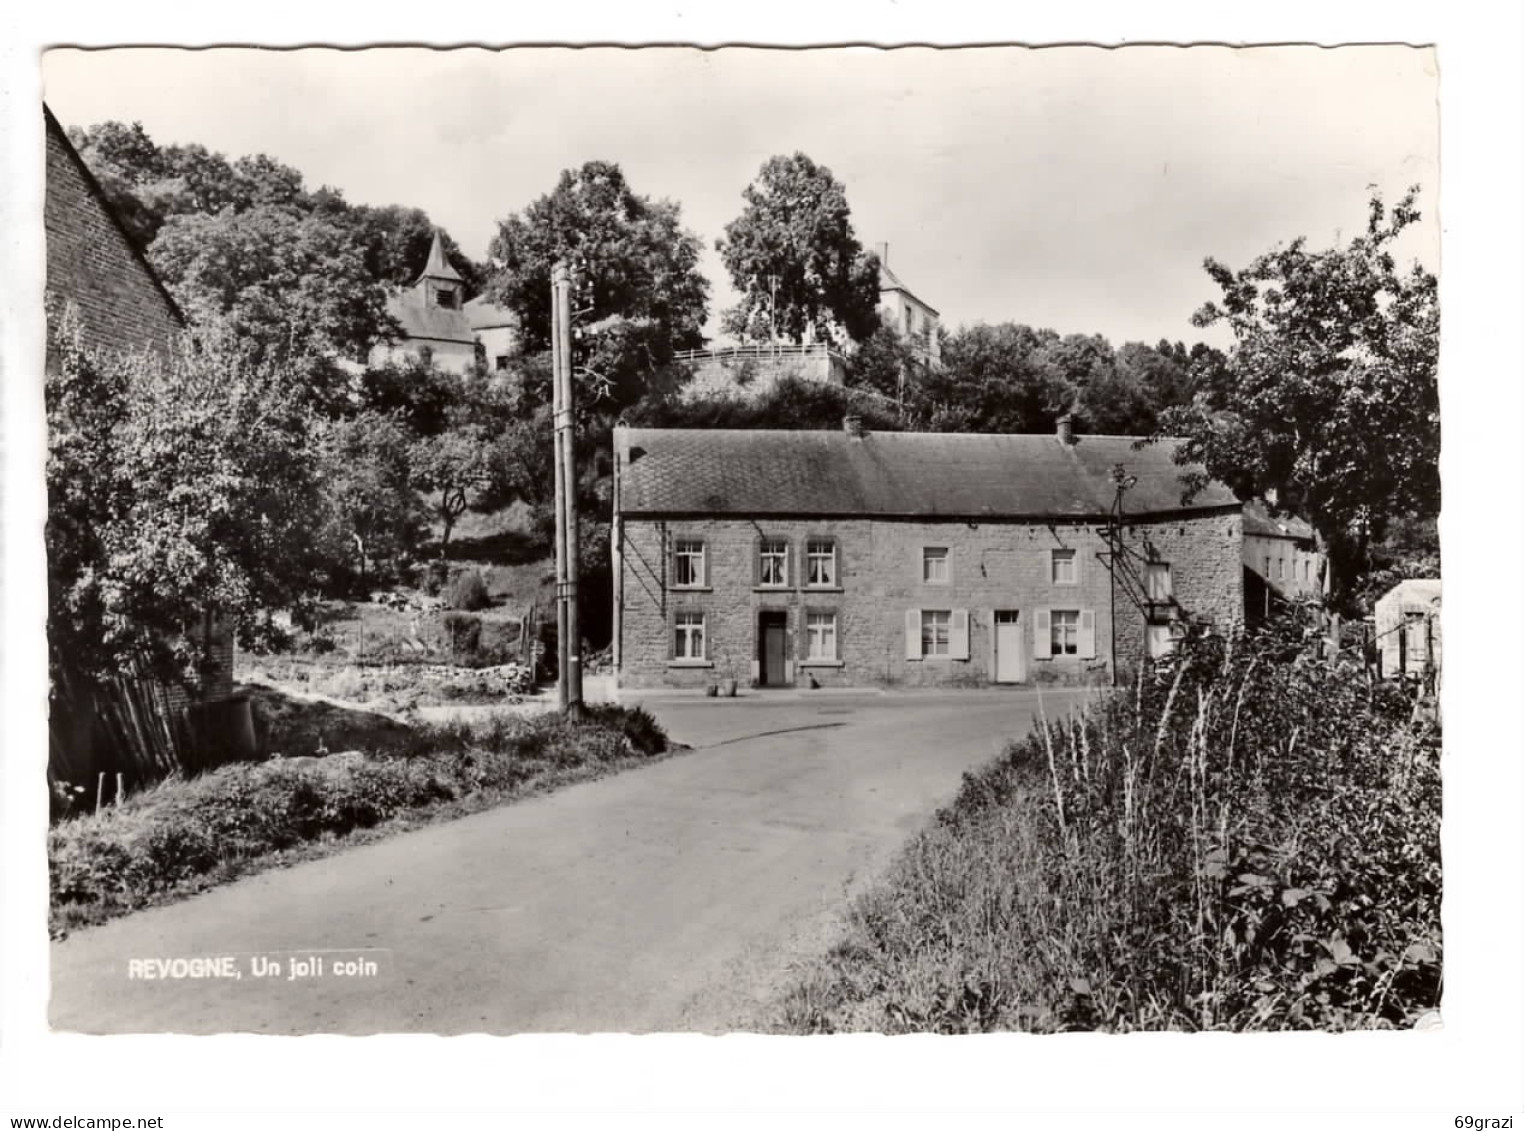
(568, 628)
(772, 312)
(1123, 483)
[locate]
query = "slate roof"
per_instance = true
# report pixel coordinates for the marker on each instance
(1415, 592)
(889, 281)
(430, 322)
(438, 267)
(1258, 520)
(483, 314)
(899, 474)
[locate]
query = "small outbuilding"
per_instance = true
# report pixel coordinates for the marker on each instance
(1408, 629)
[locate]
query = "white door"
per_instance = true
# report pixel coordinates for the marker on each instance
(1010, 657)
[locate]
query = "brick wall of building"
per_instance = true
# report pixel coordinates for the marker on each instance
(994, 566)
(92, 264)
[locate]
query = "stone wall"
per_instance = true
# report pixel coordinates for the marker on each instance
(993, 566)
(752, 371)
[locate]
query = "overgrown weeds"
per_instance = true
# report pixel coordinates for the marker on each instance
(183, 835)
(1249, 843)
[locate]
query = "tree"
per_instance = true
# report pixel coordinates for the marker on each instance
(414, 392)
(293, 285)
(450, 468)
(998, 378)
(886, 364)
(1330, 396)
(175, 489)
(374, 516)
(794, 244)
(395, 241)
(641, 298)
(151, 186)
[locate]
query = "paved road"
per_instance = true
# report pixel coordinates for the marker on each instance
(664, 898)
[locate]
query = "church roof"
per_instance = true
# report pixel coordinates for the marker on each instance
(421, 320)
(438, 267)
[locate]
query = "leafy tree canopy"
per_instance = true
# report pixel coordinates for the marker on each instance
(296, 268)
(640, 294)
(1330, 395)
(293, 284)
(174, 488)
(794, 240)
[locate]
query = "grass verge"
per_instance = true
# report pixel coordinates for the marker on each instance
(185, 835)
(1250, 845)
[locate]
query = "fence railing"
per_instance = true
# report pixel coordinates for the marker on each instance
(760, 350)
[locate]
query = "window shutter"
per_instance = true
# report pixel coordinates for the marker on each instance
(957, 636)
(1087, 634)
(756, 563)
(1042, 635)
(912, 634)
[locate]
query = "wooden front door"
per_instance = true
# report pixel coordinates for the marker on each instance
(1010, 656)
(773, 649)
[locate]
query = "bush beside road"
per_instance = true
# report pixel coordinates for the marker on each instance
(185, 835)
(1250, 844)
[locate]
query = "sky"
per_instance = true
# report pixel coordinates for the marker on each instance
(1077, 188)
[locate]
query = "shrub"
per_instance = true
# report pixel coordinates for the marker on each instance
(468, 591)
(184, 832)
(1250, 844)
(464, 631)
(645, 734)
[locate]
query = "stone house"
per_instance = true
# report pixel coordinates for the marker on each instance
(915, 320)
(790, 558)
(1281, 560)
(433, 318)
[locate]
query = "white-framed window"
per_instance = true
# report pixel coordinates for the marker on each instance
(1065, 632)
(1158, 581)
(936, 632)
(772, 562)
(820, 636)
(688, 636)
(500, 363)
(936, 565)
(820, 563)
(1064, 567)
(1280, 569)
(688, 563)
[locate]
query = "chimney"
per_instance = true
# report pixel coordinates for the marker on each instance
(883, 254)
(852, 425)
(1066, 429)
